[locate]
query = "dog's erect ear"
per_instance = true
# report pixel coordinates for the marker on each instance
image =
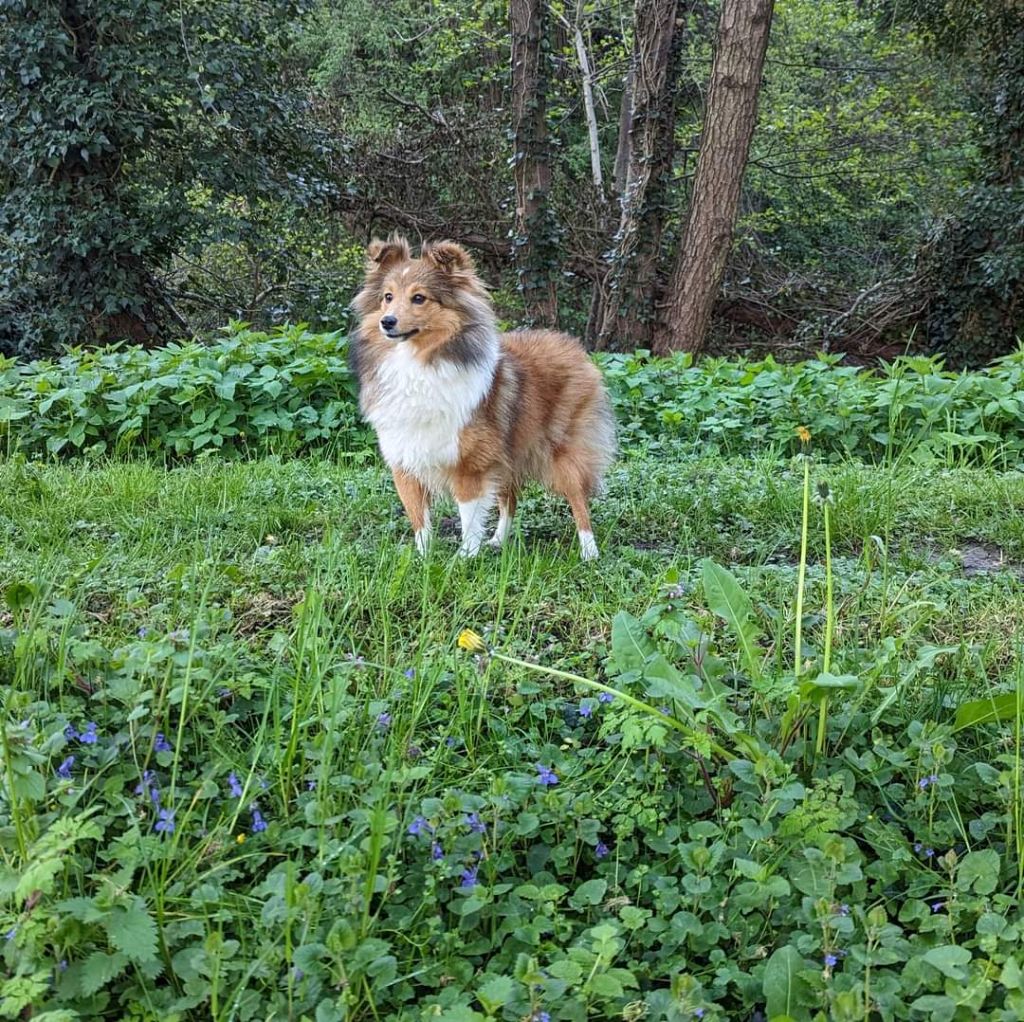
(448, 257)
(382, 254)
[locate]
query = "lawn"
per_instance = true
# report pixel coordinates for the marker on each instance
(251, 774)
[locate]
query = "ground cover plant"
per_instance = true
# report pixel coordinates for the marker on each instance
(251, 772)
(290, 391)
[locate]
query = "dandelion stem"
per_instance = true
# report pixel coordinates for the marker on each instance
(830, 621)
(797, 638)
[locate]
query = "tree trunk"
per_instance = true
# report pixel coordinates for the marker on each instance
(535, 235)
(626, 314)
(743, 29)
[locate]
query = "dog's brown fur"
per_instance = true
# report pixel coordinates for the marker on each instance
(543, 412)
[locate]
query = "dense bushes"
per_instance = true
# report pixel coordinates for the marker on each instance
(251, 392)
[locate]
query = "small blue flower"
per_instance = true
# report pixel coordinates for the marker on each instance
(541, 1016)
(926, 781)
(70, 733)
(698, 1012)
(161, 744)
(605, 697)
(475, 824)
(143, 632)
(89, 736)
(937, 906)
(844, 909)
(384, 721)
(918, 846)
(11, 933)
(469, 877)
(234, 786)
(601, 850)
(436, 851)
(165, 822)
(64, 770)
(258, 823)
(62, 964)
(546, 775)
(297, 974)
(831, 960)
(311, 784)
(147, 787)
(929, 853)
(420, 826)
(410, 672)
(664, 710)
(586, 709)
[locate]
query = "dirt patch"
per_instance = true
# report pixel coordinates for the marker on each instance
(976, 558)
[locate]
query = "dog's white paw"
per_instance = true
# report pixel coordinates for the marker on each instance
(588, 547)
(422, 541)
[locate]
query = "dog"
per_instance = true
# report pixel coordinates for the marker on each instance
(460, 408)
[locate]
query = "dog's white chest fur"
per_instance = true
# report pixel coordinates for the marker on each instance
(419, 411)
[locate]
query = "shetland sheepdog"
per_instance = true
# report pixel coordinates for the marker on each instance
(460, 408)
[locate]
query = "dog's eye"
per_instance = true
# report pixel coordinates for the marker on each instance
(418, 299)
(388, 296)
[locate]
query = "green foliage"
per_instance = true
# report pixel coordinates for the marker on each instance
(123, 126)
(291, 390)
(414, 863)
(249, 392)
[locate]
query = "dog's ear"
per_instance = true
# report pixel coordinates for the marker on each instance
(382, 254)
(448, 257)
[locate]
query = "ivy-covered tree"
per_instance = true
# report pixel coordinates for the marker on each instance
(130, 131)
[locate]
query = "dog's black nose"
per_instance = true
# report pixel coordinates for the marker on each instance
(388, 322)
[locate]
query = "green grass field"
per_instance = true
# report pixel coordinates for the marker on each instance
(249, 773)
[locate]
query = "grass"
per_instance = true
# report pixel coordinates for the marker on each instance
(271, 620)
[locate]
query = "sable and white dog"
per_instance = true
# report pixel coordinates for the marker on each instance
(459, 407)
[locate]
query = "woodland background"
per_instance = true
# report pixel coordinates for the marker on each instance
(166, 168)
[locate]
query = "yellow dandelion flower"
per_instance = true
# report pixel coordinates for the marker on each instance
(240, 839)
(804, 433)
(471, 642)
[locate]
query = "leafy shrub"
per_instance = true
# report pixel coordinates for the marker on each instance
(291, 390)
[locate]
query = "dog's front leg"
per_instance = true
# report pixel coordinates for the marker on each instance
(416, 501)
(475, 497)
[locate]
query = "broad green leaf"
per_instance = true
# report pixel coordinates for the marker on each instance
(631, 645)
(785, 992)
(995, 709)
(979, 870)
(727, 599)
(949, 959)
(132, 931)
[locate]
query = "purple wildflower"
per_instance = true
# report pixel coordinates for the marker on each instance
(586, 709)
(831, 960)
(926, 781)
(89, 736)
(143, 632)
(605, 697)
(664, 710)
(64, 770)
(234, 786)
(384, 720)
(929, 853)
(258, 823)
(937, 906)
(165, 822)
(70, 733)
(469, 877)
(844, 909)
(475, 824)
(546, 775)
(311, 784)
(420, 826)
(297, 974)
(601, 850)
(410, 673)
(918, 846)
(698, 1012)
(436, 851)
(541, 1016)
(147, 787)
(161, 744)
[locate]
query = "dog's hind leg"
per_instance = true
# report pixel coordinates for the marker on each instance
(416, 501)
(573, 481)
(507, 499)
